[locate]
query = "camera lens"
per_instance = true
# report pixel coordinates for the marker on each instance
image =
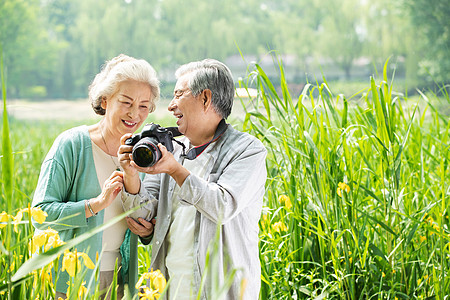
(146, 152)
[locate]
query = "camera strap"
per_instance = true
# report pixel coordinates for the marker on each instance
(196, 151)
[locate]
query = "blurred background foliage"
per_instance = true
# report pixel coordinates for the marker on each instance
(54, 48)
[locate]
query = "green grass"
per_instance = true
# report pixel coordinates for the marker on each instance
(386, 238)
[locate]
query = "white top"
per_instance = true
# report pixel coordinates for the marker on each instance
(113, 236)
(180, 252)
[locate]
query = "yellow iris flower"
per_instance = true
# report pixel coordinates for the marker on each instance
(279, 226)
(157, 284)
(148, 294)
(82, 291)
(342, 187)
(87, 261)
(36, 213)
(3, 219)
(17, 219)
(71, 263)
(284, 200)
(48, 238)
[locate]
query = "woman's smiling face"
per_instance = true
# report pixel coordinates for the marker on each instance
(128, 107)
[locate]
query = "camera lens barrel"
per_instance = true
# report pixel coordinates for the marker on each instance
(146, 152)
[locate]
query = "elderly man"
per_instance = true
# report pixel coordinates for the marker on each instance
(211, 186)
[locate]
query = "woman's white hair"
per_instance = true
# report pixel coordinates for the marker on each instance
(117, 70)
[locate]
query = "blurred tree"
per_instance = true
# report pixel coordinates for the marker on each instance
(60, 16)
(197, 29)
(388, 34)
(61, 44)
(252, 27)
(27, 49)
(297, 25)
(431, 21)
(340, 32)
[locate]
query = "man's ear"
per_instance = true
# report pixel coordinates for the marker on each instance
(206, 97)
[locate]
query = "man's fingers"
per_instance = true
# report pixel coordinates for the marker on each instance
(132, 224)
(146, 223)
(139, 229)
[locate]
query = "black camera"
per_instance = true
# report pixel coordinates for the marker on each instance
(145, 144)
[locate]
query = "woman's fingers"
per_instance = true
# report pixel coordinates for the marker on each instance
(125, 137)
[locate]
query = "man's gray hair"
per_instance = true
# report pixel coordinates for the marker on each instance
(213, 75)
(117, 70)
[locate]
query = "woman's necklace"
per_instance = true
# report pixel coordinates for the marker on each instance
(107, 149)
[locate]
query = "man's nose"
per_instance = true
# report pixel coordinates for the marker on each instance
(172, 104)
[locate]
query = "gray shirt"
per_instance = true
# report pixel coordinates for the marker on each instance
(228, 200)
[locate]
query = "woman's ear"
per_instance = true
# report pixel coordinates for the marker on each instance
(103, 104)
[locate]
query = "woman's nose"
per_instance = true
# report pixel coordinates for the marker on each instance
(133, 111)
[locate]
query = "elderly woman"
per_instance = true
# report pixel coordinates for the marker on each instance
(80, 177)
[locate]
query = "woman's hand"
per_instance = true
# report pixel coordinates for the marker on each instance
(142, 228)
(125, 156)
(111, 188)
(131, 180)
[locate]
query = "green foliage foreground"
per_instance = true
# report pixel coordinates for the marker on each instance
(357, 197)
(356, 204)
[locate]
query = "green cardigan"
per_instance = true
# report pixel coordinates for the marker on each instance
(68, 177)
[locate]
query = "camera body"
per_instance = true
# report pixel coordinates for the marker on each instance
(145, 144)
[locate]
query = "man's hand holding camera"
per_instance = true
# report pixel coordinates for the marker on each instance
(132, 183)
(166, 164)
(149, 148)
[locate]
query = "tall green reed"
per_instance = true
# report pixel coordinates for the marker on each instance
(359, 191)
(7, 175)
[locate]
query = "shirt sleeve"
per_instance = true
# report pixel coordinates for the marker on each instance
(146, 199)
(238, 185)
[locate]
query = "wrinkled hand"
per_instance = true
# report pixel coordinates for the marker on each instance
(142, 228)
(166, 164)
(111, 188)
